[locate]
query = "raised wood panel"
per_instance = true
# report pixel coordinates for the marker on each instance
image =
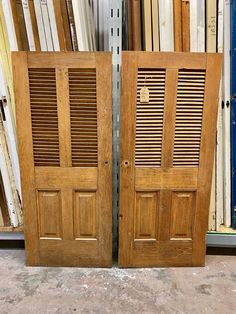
(84, 215)
(146, 209)
(50, 212)
(182, 214)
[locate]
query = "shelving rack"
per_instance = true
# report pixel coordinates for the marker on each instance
(9, 233)
(113, 22)
(217, 239)
(115, 46)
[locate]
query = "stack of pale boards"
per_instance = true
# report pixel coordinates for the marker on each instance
(37, 25)
(192, 26)
(165, 25)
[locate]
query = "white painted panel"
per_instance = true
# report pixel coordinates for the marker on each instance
(28, 24)
(10, 25)
(166, 25)
(53, 25)
(211, 47)
(39, 18)
(7, 189)
(46, 23)
(9, 126)
(197, 25)
(219, 147)
(79, 26)
(226, 115)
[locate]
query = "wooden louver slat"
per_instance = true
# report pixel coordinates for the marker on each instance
(149, 118)
(83, 114)
(44, 118)
(189, 110)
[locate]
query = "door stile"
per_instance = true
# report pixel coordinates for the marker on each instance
(213, 73)
(127, 165)
(63, 110)
(169, 118)
(67, 214)
(63, 106)
(104, 178)
(25, 147)
(167, 150)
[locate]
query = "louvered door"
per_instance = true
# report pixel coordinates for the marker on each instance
(63, 105)
(168, 125)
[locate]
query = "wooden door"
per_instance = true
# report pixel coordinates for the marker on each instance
(64, 125)
(168, 125)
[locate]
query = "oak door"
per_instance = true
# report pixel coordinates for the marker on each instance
(64, 126)
(168, 127)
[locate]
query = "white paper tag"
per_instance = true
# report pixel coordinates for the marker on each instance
(144, 94)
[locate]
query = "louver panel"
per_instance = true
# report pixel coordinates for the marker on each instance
(83, 114)
(43, 104)
(149, 118)
(188, 126)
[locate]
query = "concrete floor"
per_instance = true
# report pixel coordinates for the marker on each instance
(211, 289)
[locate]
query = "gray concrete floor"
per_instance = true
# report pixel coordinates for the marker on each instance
(211, 289)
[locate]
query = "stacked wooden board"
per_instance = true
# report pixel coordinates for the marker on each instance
(51, 25)
(153, 25)
(233, 106)
(36, 25)
(10, 188)
(195, 26)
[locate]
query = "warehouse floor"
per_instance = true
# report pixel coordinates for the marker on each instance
(211, 289)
